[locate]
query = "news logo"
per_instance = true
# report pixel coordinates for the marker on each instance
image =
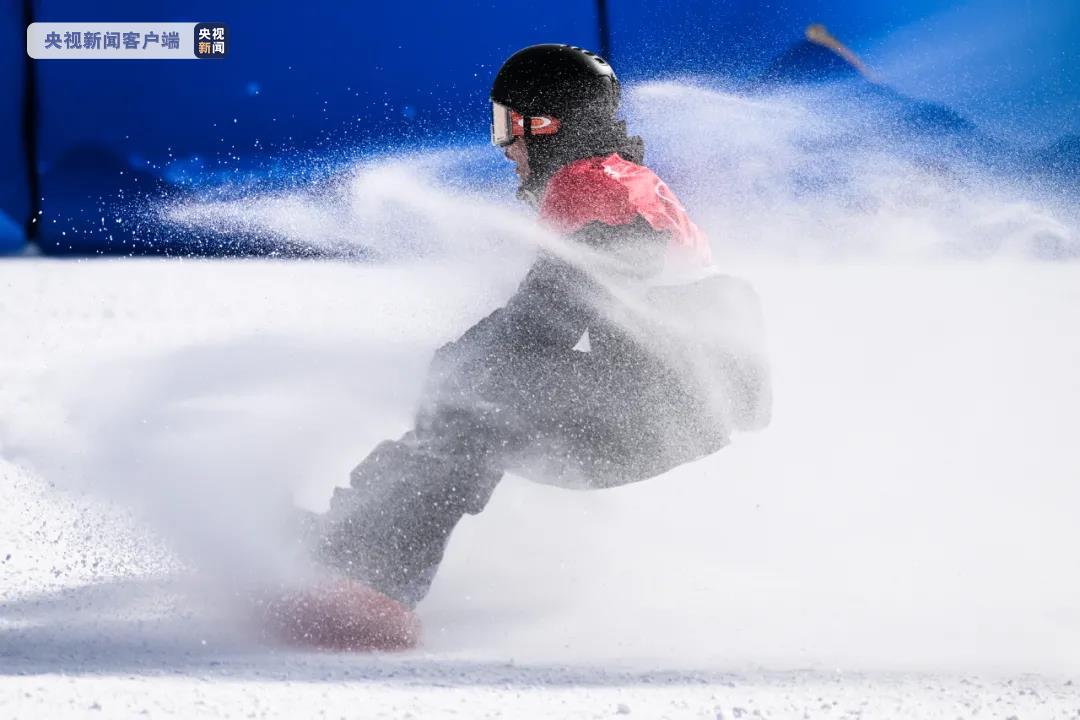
(127, 41)
(211, 40)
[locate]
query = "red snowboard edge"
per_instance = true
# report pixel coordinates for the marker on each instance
(342, 615)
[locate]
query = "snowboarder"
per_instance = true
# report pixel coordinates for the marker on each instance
(572, 381)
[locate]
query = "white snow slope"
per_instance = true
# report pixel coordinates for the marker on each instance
(900, 542)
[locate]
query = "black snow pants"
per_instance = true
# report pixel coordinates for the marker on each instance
(519, 392)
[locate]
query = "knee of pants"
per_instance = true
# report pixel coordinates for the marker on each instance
(419, 473)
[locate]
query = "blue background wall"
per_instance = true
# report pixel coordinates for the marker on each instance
(14, 194)
(332, 74)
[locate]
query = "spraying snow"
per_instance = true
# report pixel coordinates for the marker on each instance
(822, 173)
(909, 509)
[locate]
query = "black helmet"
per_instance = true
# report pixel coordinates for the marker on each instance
(563, 82)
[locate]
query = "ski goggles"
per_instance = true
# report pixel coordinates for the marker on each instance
(507, 125)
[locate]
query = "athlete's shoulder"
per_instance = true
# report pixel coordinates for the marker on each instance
(615, 191)
(589, 190)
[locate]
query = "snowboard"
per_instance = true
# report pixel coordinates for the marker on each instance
(341, 615)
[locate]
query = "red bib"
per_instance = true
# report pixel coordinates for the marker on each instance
(615, 191)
